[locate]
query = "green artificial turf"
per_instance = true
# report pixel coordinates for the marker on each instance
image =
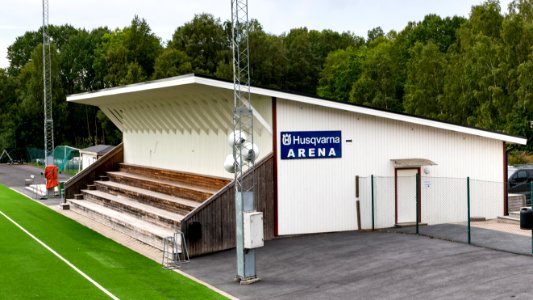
(29, 271)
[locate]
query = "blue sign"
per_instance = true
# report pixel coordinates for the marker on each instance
(311, 144)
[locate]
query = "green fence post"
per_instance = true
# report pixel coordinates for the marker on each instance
(417, 200)
(468, 204)
(372, 189)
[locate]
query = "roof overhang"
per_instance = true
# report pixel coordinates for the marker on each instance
(172, 87)
(412, 162)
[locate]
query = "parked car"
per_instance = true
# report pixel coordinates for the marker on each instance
(519, 182)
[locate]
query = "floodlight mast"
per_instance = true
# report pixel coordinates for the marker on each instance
(47, 91)
(242, 127)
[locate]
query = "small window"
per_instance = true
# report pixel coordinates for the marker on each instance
(521, 175)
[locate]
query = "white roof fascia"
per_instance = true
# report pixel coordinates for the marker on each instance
(191, 79)
(369, 111)
(139, 87)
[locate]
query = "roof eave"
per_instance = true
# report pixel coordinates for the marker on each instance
(192, 79)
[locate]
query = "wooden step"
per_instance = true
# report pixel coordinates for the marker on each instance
(211, 182)
(156, 199)
(143, 231)
(176, 189)
(139, 210)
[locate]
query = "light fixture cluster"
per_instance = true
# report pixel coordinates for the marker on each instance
(249, 151)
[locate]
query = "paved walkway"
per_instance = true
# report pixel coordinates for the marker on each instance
(489, 234)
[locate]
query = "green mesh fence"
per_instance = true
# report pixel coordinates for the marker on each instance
(35, 155)
(66, 158)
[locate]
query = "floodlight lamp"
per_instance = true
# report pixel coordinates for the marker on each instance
(230, 164)
(250, 151)
(236, 138)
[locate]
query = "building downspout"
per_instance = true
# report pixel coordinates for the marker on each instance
(275, 152)
(505, 176)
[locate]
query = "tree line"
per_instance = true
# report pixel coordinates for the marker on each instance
(475, 71)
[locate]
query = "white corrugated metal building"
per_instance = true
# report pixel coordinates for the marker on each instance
(320, 146)
(91, 154)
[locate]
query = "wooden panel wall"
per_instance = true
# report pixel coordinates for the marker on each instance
(217, 214)
(109, 162)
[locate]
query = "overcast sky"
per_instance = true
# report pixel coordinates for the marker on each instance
(276, 16)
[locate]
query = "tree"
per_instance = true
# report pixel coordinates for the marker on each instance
(19, 53)
(425, 80)
(306, 52)
(375, 34)
(342, 69)
(486, 19)
(30, 109)
(268, 60)
(126, 56)
(77, 59)
(380, 82)
(172, 62)
(203, 40)
(7, 110)
(142, 44)
(434, 29)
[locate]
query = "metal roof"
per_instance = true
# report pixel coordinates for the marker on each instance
(412, 162)
(98, 149)
(171, 88)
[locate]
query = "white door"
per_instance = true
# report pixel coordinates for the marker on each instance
(406, 195)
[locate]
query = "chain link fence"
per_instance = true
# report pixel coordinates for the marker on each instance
(455, 209)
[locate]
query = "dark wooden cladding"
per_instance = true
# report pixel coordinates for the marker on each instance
(217, 214)
(109, 162)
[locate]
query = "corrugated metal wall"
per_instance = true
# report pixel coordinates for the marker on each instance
(318, 195)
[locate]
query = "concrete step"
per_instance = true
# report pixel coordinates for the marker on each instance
(512, 218)
(509, 220)
(156, 199)
(143, 231)
(141, 211)
(514, 214)
(408, 224)
(177, 189)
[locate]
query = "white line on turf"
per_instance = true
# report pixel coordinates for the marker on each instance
(61, 258)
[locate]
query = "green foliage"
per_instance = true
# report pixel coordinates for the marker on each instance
(172, 62)
(474, 71)
(203, 40)
(425, 80)
(379, 84)
(306, 51)
(341, 69)
(519, 158)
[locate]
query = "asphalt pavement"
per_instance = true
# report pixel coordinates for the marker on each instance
(371, 265)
